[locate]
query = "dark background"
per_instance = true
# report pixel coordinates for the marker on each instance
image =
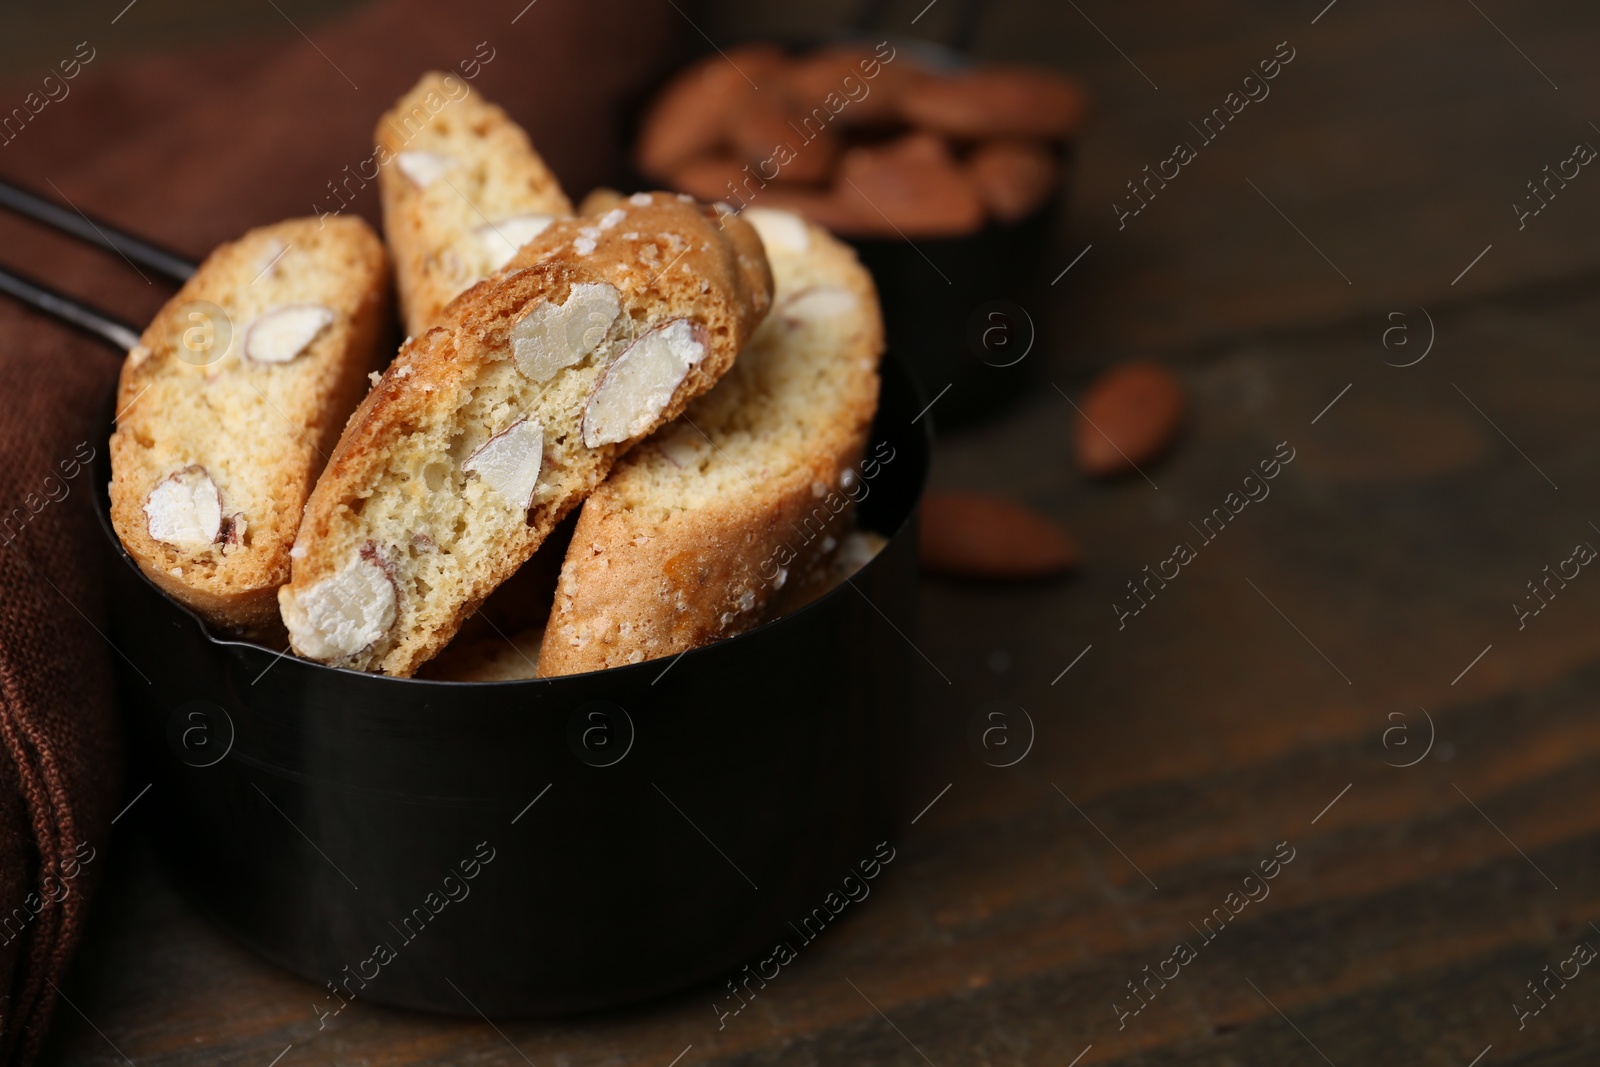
(1254, 690)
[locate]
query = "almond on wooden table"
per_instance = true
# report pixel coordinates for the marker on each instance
(977, 535)
(1129, 416)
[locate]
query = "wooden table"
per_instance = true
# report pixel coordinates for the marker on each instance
(1359, 618)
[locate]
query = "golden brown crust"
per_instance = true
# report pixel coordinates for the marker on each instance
(259, 430)
(695, 530)
(396, 491)
(461, 185)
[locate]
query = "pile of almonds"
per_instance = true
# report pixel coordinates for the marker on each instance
(1127, 418)
(862, 140)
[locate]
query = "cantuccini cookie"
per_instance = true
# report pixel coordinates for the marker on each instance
(695, 530)
(232, 400)
(462, 191)
(495, 423)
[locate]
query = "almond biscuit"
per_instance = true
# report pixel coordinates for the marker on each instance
(499, 420)
(231, 402)
(695, 530)
(462, 191)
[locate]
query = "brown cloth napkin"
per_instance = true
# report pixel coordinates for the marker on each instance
(190, 150)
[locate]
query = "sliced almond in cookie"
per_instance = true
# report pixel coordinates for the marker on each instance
(819, 304)
(977, 535)
(637, 387)
(553, 336)
(424, 168)
(684, 447)
(344, 612)
(509, 462)
(781, 231)
(185, 509)
(284, 332)
(501, 239)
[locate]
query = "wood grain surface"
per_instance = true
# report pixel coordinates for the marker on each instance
(1357, 619)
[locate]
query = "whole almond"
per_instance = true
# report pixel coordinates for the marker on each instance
(1129, 416)
(768, 137)
(1014, 177)
(976, 535)
(693, 113)
(910, 187)
(849, 86)
(719, 176)
(996, 102)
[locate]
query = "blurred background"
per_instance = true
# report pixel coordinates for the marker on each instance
(1394, 179)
